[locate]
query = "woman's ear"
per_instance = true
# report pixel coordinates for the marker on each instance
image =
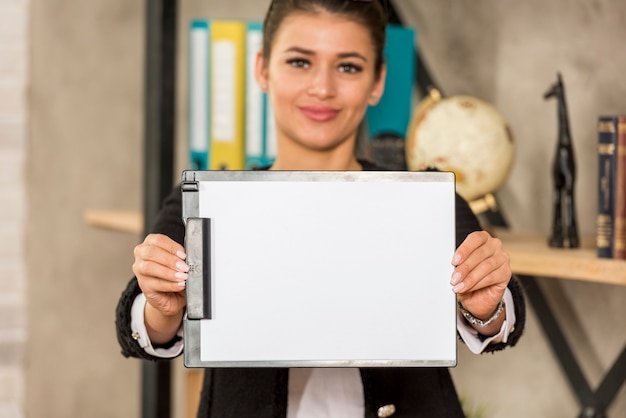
(260, 71)
(379, 87)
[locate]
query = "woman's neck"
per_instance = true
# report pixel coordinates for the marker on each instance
(316, 162)
(295, 157)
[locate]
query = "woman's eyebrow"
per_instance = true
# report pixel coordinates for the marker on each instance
(352, 55)
(299, 50)
(342, 55)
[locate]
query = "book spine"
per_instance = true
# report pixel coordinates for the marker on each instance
(255, 100)
(607, 143)
(198, 127)
(619, 224)
(270, 149)
(227, 87)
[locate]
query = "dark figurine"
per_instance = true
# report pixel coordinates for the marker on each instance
(564, 175)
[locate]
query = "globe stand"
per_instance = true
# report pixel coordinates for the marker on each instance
(488, 211)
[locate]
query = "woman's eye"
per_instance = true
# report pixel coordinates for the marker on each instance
(350, 68)
(298, 63)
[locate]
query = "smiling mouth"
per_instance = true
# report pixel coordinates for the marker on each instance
(319, 113)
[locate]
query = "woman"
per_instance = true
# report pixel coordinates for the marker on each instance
(321, 65)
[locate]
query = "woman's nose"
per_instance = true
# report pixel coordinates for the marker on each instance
(322, 83)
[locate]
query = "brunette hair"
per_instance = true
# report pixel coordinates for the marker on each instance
(370, 14)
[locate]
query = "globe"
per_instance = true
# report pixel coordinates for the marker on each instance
(464, 135)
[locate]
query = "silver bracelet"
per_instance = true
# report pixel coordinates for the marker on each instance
(479, 322)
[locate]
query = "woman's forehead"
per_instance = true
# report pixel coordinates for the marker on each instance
(322, 31)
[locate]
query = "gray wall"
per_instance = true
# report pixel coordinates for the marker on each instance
(14, 47)
(85, 152)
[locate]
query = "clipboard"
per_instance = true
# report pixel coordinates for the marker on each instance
(319, 269)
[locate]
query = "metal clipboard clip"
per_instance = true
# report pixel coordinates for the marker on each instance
(198, 248)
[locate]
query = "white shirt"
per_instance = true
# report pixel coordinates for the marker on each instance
(325, 392)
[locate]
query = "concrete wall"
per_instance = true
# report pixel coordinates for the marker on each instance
(84, 151)
(14, 43)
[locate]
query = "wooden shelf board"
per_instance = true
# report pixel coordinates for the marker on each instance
(125, 221)
(531, 255)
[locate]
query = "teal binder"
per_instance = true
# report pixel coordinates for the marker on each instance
(255, 100)
(393, 113)
(198, 104)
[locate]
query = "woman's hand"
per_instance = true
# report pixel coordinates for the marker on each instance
(162, 273)
(481, 275)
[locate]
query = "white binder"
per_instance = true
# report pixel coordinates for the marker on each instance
(319, 269)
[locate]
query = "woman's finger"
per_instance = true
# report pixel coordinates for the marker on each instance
(150, 269)
(167, 244)
(151, 285)
(160, 256)
(498, 278)
(472, 242)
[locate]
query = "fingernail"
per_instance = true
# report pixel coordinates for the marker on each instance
(181, 276)
(456, 259)
(181, 254)
(459, 287)
(182, 266)
(456, 277)
(182, 284)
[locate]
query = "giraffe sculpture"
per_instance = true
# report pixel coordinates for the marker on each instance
(564, 226)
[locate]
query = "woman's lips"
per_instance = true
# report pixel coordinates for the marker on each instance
(319, 113)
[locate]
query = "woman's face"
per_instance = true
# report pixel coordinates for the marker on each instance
(320, 78)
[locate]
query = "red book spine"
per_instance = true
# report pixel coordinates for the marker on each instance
(619, 228)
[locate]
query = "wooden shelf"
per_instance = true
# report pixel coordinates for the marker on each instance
(125, 221)
(531, 255)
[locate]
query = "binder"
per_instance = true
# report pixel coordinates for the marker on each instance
(260, 126)
(270, 147)
(393, 112)
(227, 82)
(198, 132)
(255, 100)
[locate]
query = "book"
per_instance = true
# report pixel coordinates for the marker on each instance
(271, 146)
(227, 85)
(198, 131)
(393, 112)
(255, 100)
(619, 223)
(607, 144)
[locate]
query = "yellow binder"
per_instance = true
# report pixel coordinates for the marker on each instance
(228, 42)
